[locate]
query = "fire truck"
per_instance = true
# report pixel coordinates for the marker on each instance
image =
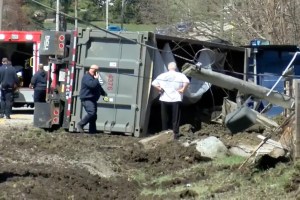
(22, 48)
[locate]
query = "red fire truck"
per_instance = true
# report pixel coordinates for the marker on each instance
(22, 48)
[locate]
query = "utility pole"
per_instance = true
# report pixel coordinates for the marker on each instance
(1, 13)
(107, 14)
(57, 15)
(122, 14)
(76, 14)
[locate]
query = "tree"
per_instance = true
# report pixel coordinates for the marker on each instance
(13, 21)
(207, 17)
(130, 9)
(273, 20)
(240, 21)
(237, 21)
(160, 12)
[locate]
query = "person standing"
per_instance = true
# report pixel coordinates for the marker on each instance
(2, 68)
(39, 83)
(171, 86)
(90, 93)
(9, 82)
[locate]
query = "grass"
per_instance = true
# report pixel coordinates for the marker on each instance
(277, 177)
(217, 179)
(127, 27)
(138, 175)
(224, 181)
(162, 179)
(229, 160)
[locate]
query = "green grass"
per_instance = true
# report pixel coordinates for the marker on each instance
(162, 179)
(127, 27)
(223, 180)
(229, 160)
(276, 178)
(138, 175)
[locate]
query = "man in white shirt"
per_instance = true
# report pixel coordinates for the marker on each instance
(171, 86)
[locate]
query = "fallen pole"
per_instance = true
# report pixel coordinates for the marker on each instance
(232, 83)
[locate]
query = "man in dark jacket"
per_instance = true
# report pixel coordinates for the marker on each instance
(2, 69)
(39, 83)
(9, 81)
(90, 93)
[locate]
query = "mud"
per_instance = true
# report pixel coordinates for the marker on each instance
(165, 158)
(39, 165)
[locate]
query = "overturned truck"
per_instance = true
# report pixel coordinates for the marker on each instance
(129, 61)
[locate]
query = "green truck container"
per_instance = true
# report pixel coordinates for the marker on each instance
(128, 63)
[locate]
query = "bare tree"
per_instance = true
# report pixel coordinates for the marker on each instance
(273, 20)
(240, 21)
(13, 16)
(154, 11)
(237, 21)
(208, 19)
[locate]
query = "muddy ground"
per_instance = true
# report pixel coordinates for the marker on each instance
(40, 165)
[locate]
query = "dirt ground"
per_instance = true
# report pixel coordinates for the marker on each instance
(40, 165)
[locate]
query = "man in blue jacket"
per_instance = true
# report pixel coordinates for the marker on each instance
(38, 83)
(90, 93)
(9, 82)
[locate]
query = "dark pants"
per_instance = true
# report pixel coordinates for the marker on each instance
(170, 110)
(91, 109)
(39, 96)
(7, 100)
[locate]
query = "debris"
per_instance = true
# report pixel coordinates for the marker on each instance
(287, 132)
(188, 185)
(211, 147)
(257, 148)
(277, 152)
(240, 151)
(270, 141)
(156, 140)
(230, 107)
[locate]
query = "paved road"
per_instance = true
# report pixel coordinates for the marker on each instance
(18, 117)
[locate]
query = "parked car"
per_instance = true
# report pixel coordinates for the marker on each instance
(183, 27)
(162, 31)
(114, 28)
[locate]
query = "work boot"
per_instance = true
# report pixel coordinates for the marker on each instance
(93, 132)
(176, 136)
(80, 128)
(7, 117)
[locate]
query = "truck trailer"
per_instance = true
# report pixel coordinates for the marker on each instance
(128, 61)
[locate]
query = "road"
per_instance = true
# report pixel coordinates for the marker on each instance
(19, 116)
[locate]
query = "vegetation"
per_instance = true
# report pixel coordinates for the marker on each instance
(221, 179)
(237, 21)
(164, 177)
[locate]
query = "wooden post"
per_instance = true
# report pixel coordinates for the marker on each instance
(288, 90)
(297, 120)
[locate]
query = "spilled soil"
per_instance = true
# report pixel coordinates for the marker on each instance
(40, 165)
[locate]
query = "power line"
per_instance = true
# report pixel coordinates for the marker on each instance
(114, 34)
(149, 46)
